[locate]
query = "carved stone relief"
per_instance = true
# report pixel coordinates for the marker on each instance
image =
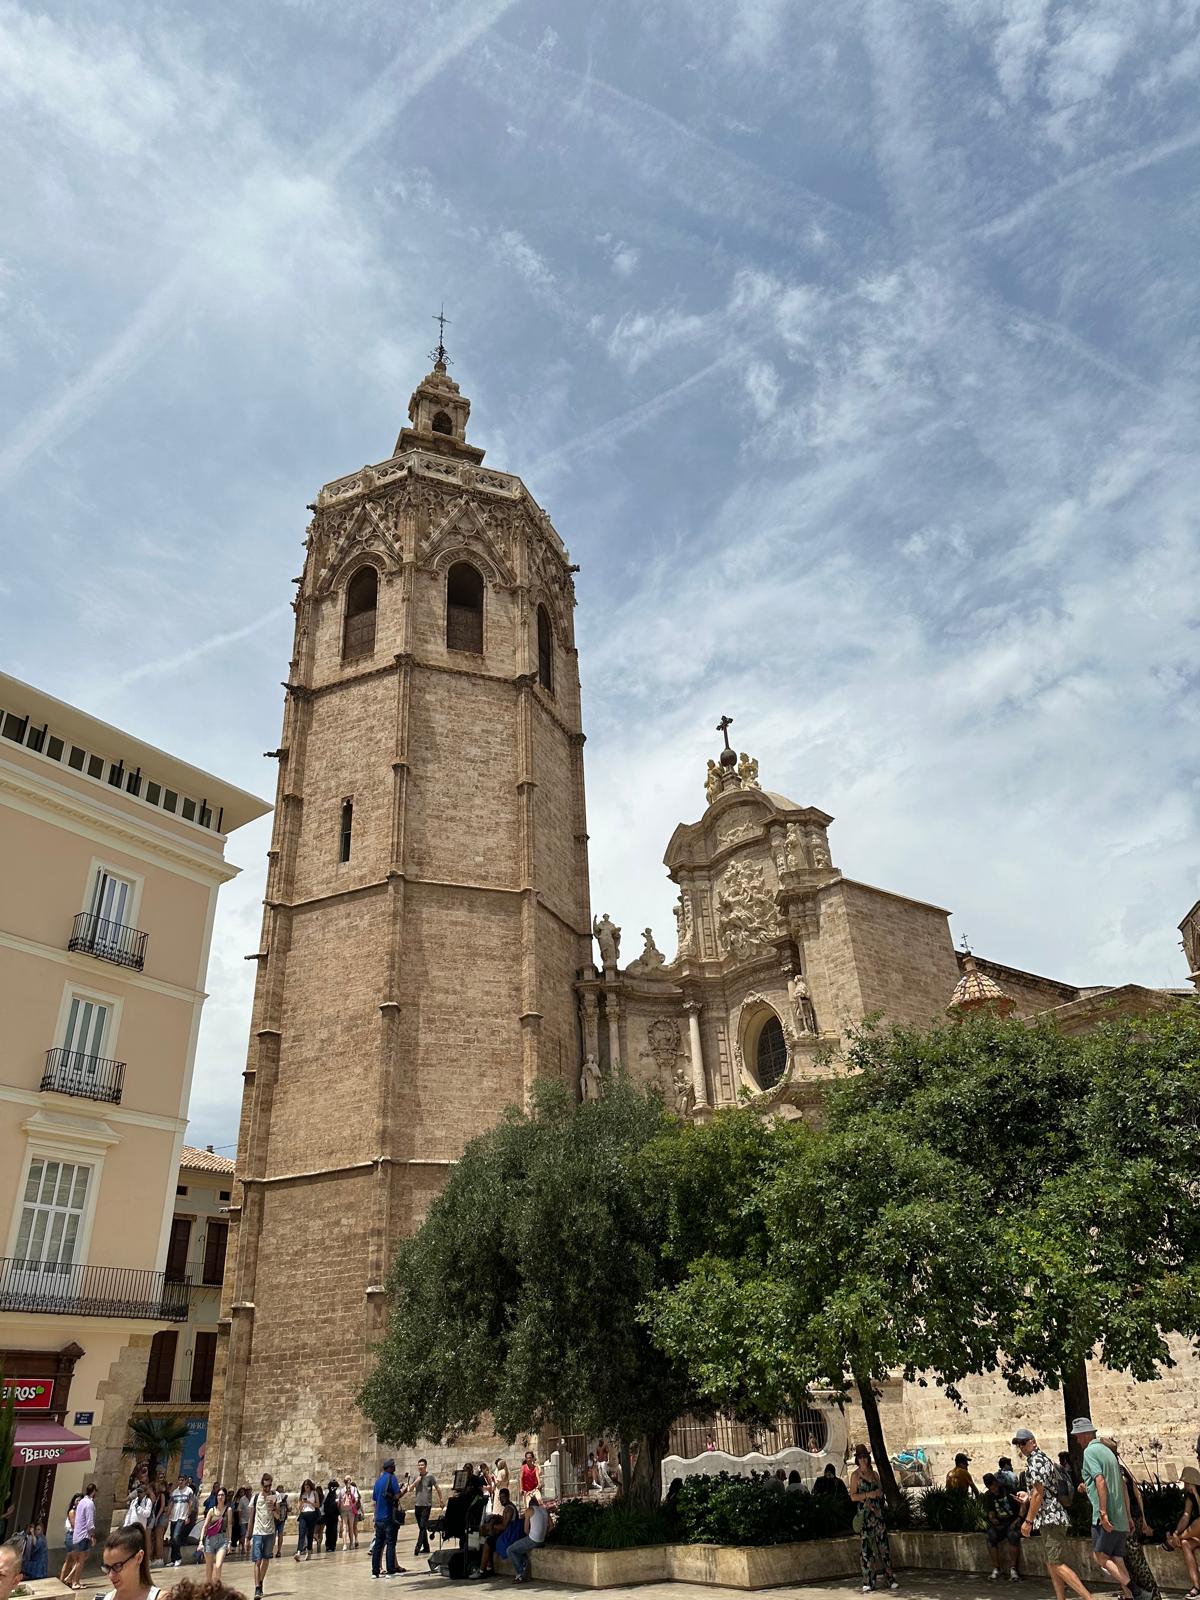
(747, 918)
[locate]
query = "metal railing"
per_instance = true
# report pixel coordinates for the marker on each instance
(193, 1391)
(83, 1291)
(88, 1077)
(110, 941)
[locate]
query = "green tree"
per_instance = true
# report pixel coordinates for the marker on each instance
(1087, 1152)
(534, 1318)
(8, 1434)
(830, 1258)
(156, 1435)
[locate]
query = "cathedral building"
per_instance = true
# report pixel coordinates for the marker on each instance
(427, 929)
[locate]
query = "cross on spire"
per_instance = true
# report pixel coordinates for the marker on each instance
(723, 728)
(440, 358)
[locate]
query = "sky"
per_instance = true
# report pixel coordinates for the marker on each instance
(853, 350)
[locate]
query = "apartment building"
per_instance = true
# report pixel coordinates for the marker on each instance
(111, 856)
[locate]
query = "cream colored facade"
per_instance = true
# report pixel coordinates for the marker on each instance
(111, 857)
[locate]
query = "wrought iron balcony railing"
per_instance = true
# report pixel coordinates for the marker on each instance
(83, 1291)
(110, 941)
(88, 1077)
(193, 1391)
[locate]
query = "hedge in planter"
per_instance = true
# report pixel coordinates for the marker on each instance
(755, 1511)
(588, 1525)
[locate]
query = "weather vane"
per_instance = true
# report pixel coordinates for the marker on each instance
(440, 358)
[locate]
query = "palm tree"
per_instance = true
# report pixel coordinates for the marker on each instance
(157, 1436)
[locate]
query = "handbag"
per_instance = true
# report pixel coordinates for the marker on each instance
(857, 1524)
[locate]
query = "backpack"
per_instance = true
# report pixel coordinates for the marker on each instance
(1064, 1489)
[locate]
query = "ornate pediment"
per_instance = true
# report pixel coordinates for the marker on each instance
(361, 530)
(467, 532)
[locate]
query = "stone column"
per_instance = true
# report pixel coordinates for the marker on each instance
(699, 1083)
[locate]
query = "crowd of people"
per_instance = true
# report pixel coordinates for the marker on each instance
(1035, 1503)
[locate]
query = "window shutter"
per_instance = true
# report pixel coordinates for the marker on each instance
(203, 1362)
(214, 1251)
(161, 1366)
(177, 1253)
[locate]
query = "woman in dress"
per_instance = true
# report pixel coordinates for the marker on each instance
(500, 1479)
(308, 1510)
(346, 1514)
(214, 1536)
(35, 1562)
(866, 1491)
(68, 1533)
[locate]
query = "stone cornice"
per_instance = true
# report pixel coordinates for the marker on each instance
(95, 819)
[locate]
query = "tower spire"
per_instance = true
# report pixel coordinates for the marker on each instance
(440, 358)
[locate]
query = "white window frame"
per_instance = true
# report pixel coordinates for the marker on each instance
(136, 880)
(84, 991)
(52, 1139)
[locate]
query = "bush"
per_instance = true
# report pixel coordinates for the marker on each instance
(951, 1511)
(727, 1510)
(590, 1525)
(1163, 1503)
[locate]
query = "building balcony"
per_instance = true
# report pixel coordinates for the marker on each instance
(108, 941)
(88, 1077)
(41, 1287)
(193, 1391)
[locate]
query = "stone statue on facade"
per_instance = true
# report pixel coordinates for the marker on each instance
(681, 1085)
(591, 1084)
(608, 937)
(683, 925)
(746, 912)
(820, 853)
(712, 782)
(747, 771)
(802, 1006)
(796, 858)
(650, 960)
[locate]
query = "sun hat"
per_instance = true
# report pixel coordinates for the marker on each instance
(1190, 1475)
(1082, 1425)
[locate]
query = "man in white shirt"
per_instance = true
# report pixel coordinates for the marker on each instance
(183, 1500)
(537, 1525)
(263, 1511)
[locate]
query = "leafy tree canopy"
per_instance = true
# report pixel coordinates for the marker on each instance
(518, 1296)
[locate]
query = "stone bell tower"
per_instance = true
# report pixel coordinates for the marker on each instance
(426, 914)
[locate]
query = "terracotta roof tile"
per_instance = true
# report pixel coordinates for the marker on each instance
(204, 1161)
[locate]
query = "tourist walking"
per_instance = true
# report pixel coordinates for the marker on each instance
(348, 1512)
(261, 1521)
(386, 1495)
(183, 1503)
(1139, 1529)
(866, 1491)
(1106, 1492)
(282, 1511)
(1186, 1537)
(308, 1509)
(83, 1537)
(127, 1565)
(214, 1536)
(68, 1538)
(1045, 1516)
(140, 1508)
(330, 1513)
(500, 1480)
(424, 1487)
(536, 1526)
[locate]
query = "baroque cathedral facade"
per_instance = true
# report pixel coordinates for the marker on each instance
(427, 929)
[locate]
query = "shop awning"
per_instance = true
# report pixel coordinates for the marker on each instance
(42, 1444)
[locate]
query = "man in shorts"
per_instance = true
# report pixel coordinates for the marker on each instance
(1106, 1491)
(1003, 1526)
(262, 1531)
(1045, 1517)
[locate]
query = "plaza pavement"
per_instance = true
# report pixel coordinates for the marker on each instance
(346, 1575)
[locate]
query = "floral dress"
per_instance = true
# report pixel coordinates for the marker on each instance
(875, 1555)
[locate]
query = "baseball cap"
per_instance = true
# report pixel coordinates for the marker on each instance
(390, 1464)
(1023, 1436)
(1082, 1425)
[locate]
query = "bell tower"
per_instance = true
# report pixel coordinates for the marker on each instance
(426, 914)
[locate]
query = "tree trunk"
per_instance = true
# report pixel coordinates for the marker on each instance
(883, 1465)
(644, 1482)
(1076, 1403)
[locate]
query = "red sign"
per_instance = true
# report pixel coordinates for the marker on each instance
(42, 1444)
(31, 1394)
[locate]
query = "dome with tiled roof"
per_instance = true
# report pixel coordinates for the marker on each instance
(975, 991)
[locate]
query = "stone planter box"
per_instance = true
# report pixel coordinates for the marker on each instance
(968, 1552)
(765, 1566)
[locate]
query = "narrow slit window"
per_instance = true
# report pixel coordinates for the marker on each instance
(347, 830)
(545, 650)
(464, 608)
